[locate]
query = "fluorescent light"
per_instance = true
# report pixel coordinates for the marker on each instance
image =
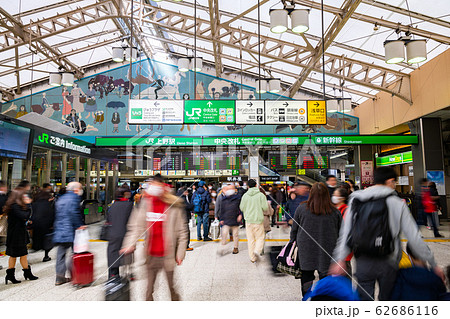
(117, 54)
(183, 64)
(394, 51)
(278, 20)
(67, 79)
(54, 79)
(299, 20)
(338, 155)
(416, 51)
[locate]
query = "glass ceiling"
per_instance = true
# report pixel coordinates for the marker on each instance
(359, 39)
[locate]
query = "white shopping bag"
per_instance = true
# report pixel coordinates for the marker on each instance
(215, 229)
(81, 241)
(192, 223)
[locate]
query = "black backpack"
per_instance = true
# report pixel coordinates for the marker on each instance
(370, 234)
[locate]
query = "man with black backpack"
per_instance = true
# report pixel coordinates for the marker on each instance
(375, 219)
(201, 200)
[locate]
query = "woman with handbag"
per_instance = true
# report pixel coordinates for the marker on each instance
(43, 218)
(18, 209)
(315, 227)
(117, 219)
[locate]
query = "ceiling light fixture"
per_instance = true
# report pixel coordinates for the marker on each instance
(55, 79)
(196, 64)
(261, 86)
(394, 51)
(274, 85)
(278, 20)
(299, 20)
(183, 64)
(416, 51)
(67, 79)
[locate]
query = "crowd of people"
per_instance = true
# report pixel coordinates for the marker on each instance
(328, 222)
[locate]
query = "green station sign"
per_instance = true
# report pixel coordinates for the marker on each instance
(395, 159)
(365, 139)
(148, 141)
(209, 112)
(255, 140)
(258, 140)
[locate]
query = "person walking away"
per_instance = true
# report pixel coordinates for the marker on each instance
(242, 189)
(430, 208)
(68, 218)
(161, 217)
(201, 200)
(379, 258)
(42, 220)
(3, 199)
(417, 283)
(331, 184)
(230, 216)
(188, 207)
(253, 205)
(117, 216)
(18, 210)
(315, 228)
(437, 201)
(301, 191)
(268, 213)
(340, 200)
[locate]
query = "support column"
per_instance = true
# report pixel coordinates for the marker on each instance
(88, 178)
(28, 170)
(77, 169)
(64, 170)
(428, 155)
(5, 176)
(98, 180)
(48, 169)
(363, 153)
(107, 200)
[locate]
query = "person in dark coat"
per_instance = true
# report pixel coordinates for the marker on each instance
(68, 218)
(18, 209)
(331, 181)
(315, 227)
(189, 207)
(42, 220)
(117, 216)
(3, 195)
(417, 283)
(230, 215)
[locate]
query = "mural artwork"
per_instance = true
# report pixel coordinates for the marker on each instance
(98, 105)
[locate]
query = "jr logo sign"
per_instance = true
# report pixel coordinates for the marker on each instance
(194, 112)
(136, 114)
(43, 138)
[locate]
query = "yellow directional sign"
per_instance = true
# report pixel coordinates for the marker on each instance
(301, 172)
(317, 113)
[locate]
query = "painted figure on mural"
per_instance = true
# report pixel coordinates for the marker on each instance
(115, 120)
(22, 111)
(48, 108)
(127, 128)
(158, 85)
(67, 106)
(99, 117)
(79, 126)
(78, 97)
(91, 102)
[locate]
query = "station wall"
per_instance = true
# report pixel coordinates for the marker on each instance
(101, 100)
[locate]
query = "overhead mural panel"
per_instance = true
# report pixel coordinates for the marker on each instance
(98, 105)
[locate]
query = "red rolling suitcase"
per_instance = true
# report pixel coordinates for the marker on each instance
(83, 269)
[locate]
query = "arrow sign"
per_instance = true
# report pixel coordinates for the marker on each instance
(316, 104)
(156, 104)
(209, 103)
(286, 104)
(250, 104)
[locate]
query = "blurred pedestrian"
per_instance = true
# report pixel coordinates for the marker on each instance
(382, 269)
(18, 209)
(201, 200)
(331, 182)
(301, 194)
(161, 217)
(43, 218)
(315, 228)
(68, 218)
(429, 198)
(188, 207)
(230, 216)
(253, 205)
(117, 217)
(268, 213)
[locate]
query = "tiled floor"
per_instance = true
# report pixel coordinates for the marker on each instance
(204, 275)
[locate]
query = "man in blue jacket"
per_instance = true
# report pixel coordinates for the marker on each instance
(68, 218)
(201, 200)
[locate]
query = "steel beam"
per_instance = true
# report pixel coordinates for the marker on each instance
(16, 28)
(214, 22)
(381, 22)
(365, 74)
(348, 8)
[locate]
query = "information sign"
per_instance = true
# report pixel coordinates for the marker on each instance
(317, 112)
(209, 112)
(249, 112)
(155, 112)
(286, 112)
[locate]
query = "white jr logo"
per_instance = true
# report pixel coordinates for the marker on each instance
(378, 241)
(196, 111)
